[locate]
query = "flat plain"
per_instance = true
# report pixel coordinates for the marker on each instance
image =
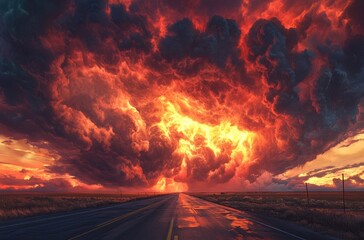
(16, 205)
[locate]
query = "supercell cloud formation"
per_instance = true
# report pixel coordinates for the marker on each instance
(138, 93)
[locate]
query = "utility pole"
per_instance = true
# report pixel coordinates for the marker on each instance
(343, 193)
(308, 199)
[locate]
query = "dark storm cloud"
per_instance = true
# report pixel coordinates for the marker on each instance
(354, 13)
(103, 34)
(209, 167)
(160, 156)
(22, 23)
(91, 167)
(217, 45)
(270, 45)
(340, 87)
(335, 95)
(354, 54)
(23, 108)
(137, 40)
(205, 7)
(26, 108)
(176, 10)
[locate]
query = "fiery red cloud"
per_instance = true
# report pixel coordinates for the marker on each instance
(180, 95)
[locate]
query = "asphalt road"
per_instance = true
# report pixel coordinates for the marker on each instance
(170, 217)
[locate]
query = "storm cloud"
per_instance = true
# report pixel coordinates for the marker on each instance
(129, 93)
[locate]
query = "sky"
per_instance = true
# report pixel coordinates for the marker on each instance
(123, 95)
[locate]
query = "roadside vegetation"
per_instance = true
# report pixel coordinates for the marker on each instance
(324, 213)
(23, 205)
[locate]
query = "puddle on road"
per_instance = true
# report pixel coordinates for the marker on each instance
(186, 217)
(187, 222)
(242, 223)
(243, 227)
(198, 216)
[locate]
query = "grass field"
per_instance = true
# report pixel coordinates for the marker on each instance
(324, 213)
(22, 205)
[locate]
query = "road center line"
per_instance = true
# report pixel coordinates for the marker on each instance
(169, 235)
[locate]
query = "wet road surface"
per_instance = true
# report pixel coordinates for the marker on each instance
(170, 217)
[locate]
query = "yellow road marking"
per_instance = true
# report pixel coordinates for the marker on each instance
(169, 236)
(117, 219)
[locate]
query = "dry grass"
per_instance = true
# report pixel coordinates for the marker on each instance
(324, 212)
(22, 205)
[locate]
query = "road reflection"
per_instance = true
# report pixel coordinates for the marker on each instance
(187, 215)
(187, 222)
(208, 218)
(239, 222)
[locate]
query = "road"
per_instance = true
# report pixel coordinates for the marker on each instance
(169, 217)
